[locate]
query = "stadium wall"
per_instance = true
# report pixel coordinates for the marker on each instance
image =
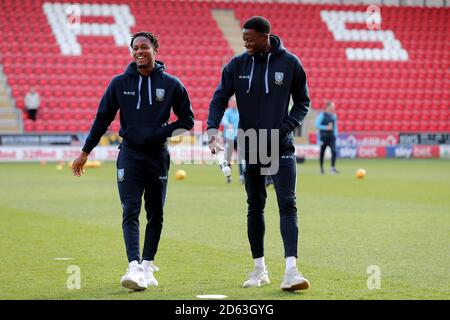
(66, 147)
(188, 154)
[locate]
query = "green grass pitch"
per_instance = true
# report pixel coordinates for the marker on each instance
(397, 218)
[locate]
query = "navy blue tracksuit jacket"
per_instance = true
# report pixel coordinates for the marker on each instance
(143, 117)
(263, 85)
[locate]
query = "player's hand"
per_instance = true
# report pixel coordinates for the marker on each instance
(78, 164)
(330, 126)
(214, 145)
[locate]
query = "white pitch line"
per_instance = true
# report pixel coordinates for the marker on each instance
(212, 296)
(62, 259)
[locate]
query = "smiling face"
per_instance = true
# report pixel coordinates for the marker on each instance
(143, 52)
(255, 42)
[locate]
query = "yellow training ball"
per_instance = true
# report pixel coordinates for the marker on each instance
(360, 173)
(96, 163)
(180, 174)
(92, 164)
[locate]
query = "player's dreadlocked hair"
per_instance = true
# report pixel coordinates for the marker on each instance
(153, 39)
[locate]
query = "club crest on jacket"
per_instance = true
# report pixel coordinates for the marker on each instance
(120, 174)
(279, 76)
(160, 94)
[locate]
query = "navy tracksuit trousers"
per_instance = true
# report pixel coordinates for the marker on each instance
(142, 174)
(331, 142)
(285, 186)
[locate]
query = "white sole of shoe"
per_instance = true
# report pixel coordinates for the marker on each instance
(254, 286)
(132, 285)
(152, 284)
(250, 286)
(303, 285)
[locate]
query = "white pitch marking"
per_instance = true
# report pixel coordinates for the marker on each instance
(212, 296)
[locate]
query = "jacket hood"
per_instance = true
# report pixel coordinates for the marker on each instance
(276, 44)
(132, 71)
(132, 68)
(277, 49)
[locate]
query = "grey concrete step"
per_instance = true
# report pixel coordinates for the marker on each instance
(230, 28)
(8, 115)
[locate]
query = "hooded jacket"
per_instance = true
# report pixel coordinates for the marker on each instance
(145, 104)
(263, 85)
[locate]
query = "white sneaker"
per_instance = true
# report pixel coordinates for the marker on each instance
(257, 278)
(134, 278)
(294, 280)
(148, 274)
(334, 171)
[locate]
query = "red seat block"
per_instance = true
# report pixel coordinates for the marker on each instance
(376, 95)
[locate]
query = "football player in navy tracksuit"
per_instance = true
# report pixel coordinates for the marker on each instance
(263, 80)
(145, 95)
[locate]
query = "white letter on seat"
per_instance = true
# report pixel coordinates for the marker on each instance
(65, 21)
(392, 48)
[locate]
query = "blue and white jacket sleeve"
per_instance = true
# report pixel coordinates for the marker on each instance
(319, 124)
(335, 128)
(226, 120)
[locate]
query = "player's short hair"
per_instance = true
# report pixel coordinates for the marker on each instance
(150, 36)
(258, 23)
(329, 104)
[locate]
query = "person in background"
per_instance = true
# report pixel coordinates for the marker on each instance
(230, 122)
(32, 102)
(327, 126)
